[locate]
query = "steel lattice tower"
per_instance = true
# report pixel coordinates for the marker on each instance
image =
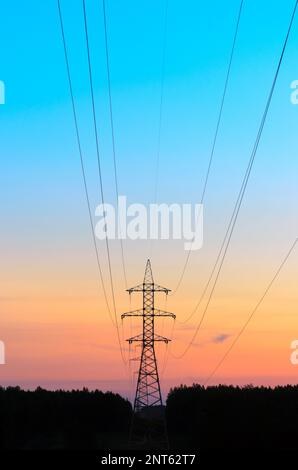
(148, 393)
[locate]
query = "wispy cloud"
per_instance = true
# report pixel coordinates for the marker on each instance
(221, 338)
(218, 339)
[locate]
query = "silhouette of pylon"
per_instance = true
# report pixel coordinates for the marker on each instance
(148, 425)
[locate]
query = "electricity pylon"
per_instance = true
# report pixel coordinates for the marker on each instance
(148, 425)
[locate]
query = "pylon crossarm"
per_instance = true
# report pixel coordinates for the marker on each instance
(138, 288)
(161, 338)
(158, 288)
(141, 313)
(135, 338)
(143, 339)
(133, 313)
(148, 286)
(163, 313)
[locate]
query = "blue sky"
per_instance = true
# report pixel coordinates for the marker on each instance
(41, 166)
(45, 235)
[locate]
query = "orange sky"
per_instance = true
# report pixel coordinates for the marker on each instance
(53, 319)
(57, 332)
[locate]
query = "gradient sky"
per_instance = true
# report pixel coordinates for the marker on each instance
(53, 319)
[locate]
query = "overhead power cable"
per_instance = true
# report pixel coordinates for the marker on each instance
(82, 159)
(237, 207)
(113, 135)
(160, 113)
(214, 141)
(96, 135)
(163, 62)
(236, 339)
(83, 168)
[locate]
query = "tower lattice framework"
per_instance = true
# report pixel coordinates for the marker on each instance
(148, 391)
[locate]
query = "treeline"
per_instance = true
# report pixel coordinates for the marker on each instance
(74, 420)
(222, 418)
(227, 417)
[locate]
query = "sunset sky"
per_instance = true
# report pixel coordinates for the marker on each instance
(54, 322)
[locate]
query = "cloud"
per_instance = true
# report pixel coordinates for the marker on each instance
(221, 338)
(200, 345)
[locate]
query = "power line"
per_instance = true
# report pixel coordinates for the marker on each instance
(81, 156)
(167, 352)
(163, 62)
(160, 115)
(252, 313)
(113, 134)
(82, 165)
(215, 136)
(100, 176)
(243, 186)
